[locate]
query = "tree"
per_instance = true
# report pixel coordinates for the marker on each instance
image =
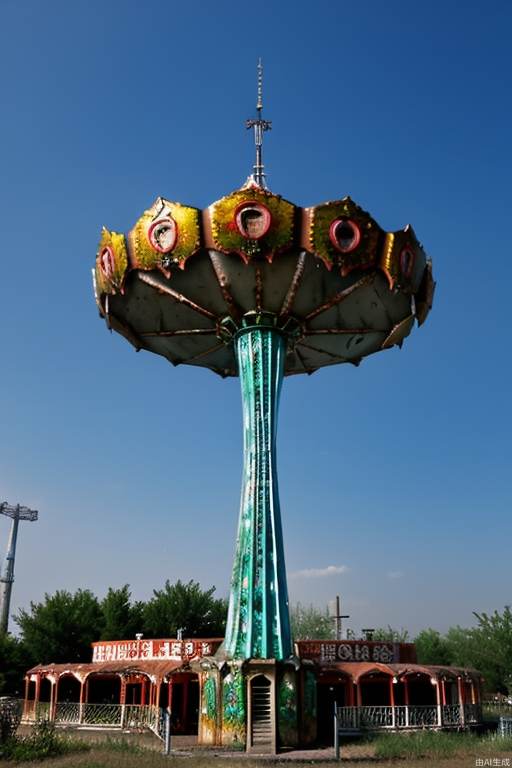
(62, 627)
(14, 662)
(186, 607)
(311, 623)
(433, 648)
(488, 648)
(390, 635)
(122, 619)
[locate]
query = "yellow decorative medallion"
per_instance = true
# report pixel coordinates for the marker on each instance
(403, 260)
(164, 236)
(111, 263)
(343, 235)
(252, 222)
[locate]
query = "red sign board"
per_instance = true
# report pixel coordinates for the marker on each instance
(332, 651)
(153, 650)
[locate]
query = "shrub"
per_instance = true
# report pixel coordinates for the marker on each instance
(10, 716)
(43, 742)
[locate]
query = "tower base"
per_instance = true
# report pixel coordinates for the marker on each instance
(260, 705)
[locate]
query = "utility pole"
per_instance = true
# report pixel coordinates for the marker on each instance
(16, 513)
(336, 615)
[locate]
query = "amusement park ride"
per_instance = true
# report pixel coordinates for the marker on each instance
(256, 287)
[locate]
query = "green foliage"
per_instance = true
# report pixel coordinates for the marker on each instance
(42, 743)
(10, 717)
(486, 647)
(185, 606)
(435, 745)
(14, 662)
(311, 623)
(390, 635)
(433, 648)
(62, 627)
(122, 619)
(489, 649)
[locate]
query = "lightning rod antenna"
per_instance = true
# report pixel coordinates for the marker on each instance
(260, 126)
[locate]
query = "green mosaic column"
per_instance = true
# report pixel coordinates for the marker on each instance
(258, 617)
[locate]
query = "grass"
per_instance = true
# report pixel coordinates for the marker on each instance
(42, 743)
(438, 745)
(400, 750)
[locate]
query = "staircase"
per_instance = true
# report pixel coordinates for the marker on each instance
(261, 720)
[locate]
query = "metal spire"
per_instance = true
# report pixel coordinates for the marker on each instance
(260, 126)
(16, 513)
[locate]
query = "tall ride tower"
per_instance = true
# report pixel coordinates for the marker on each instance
(257, 287)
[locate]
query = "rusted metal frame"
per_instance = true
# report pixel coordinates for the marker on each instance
(179, 297)
(323, 352)
(340, 296)
(294, 285)
(303, 363)
(125, 329)
(204, 353)
(223, 282)
(191, 332)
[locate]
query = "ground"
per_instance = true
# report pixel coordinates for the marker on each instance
(112, 751)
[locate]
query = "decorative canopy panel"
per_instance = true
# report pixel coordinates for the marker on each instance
(337, 285)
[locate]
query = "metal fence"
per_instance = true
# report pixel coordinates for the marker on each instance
(505, 727)
(399, 717)
(129, 716)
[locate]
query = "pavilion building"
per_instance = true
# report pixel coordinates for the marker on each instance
(374, 685)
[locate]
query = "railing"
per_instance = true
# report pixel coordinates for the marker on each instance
(505, 727)
(451, 715)
(132, 716)
(426, 716)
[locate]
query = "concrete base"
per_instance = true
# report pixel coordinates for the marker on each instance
(261, 705)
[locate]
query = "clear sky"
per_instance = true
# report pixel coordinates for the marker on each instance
(396, 473)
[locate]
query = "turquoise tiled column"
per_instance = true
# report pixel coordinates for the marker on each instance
(258, 618)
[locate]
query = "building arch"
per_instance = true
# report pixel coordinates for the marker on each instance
(334, 687)
(103, 688)
(69, 688)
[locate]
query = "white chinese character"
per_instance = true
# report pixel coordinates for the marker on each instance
(328, 652)
(345, 652)
(362, 653)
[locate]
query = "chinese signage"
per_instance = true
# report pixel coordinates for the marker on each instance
(347, 650)
(153, 650)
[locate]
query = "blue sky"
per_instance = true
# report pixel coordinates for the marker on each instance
(396, 473)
